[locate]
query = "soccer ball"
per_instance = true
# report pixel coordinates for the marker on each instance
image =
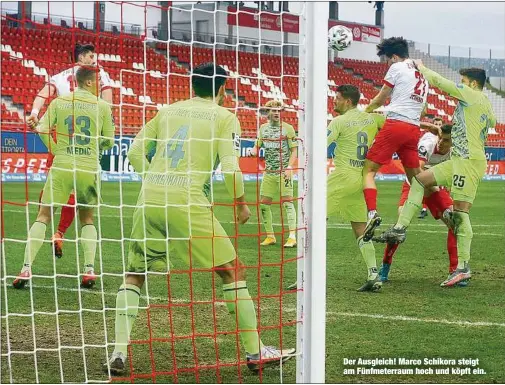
(339, 38)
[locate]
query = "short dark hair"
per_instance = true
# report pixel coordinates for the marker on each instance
(350, 92)
(393, 46)
(82, 49)
(438, 119)
(207, 79)
(85, 73)
(446, 129)
(477, 74)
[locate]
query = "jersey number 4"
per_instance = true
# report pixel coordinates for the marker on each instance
(83, 124)
(174, 149)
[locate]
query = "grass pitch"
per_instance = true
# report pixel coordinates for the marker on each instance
(186, 336)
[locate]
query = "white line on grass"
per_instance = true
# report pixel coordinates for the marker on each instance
(293, 310)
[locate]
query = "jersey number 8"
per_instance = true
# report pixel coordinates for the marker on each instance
(362, 148)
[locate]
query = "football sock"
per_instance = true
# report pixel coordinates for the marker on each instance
(464, 235)
(412, 206)
(266, 215)
(291, 214)
(36, 236)
(239, 302)
(88, 241)
(67, 215)
(367, 250)
(452, 250)
(127, 307)
(370, 198)
(389, 252)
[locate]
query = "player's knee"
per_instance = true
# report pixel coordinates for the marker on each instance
(135, 279)
(44, 214)
(232, 272)
(86, 216)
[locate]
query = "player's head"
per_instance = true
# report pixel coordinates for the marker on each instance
(395, 49)
(473, 77)
(438, 121)
(445, 141)
(347, 97)
(84, 54)
(86, 77)
(273, 110)
(208, 81)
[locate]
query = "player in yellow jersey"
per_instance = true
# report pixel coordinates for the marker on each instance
(463, 172)
(354, 132)
(278, 138)
(172, 209)
(84, 127)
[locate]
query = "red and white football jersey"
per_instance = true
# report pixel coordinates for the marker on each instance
(428, 150)
(65, 82)
(410, 91)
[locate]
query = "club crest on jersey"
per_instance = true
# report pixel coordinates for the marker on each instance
(423, 151)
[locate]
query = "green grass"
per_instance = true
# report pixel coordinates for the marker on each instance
(412, 317)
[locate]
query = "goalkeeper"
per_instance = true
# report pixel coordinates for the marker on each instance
(279, 140)
(188, 136)
(84, 126)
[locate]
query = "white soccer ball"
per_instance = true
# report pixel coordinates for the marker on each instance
(339, 38)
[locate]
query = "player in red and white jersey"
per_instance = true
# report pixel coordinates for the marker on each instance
(432, 150)
(439, 122)
(408, 91)
(62, 84)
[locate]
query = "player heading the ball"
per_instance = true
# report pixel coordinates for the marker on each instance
(408, 90)
(462, 173)
(188, 136)
(84, 127)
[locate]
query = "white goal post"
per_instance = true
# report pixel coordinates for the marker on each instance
(313, 67)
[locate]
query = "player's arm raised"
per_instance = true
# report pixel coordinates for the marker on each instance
(458, 91)
(44, 94)
(233, 179)
(142, 145)
(435, 130)
(380, 99)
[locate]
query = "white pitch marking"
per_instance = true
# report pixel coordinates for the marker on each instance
(293, 310)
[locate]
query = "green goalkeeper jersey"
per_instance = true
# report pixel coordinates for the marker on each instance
(354, 133)
(188, 136)
(472, 118)
(84, 126)
(277, 143)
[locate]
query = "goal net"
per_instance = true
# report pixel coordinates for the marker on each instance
(54, 328)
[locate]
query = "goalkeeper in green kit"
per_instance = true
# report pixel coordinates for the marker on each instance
(84, 127)
(463, 172)
(173, 211)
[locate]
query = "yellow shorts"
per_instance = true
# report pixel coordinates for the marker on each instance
(276, 186)
(345, 198)
(462, 176)
(193, 232)
(60, 183)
